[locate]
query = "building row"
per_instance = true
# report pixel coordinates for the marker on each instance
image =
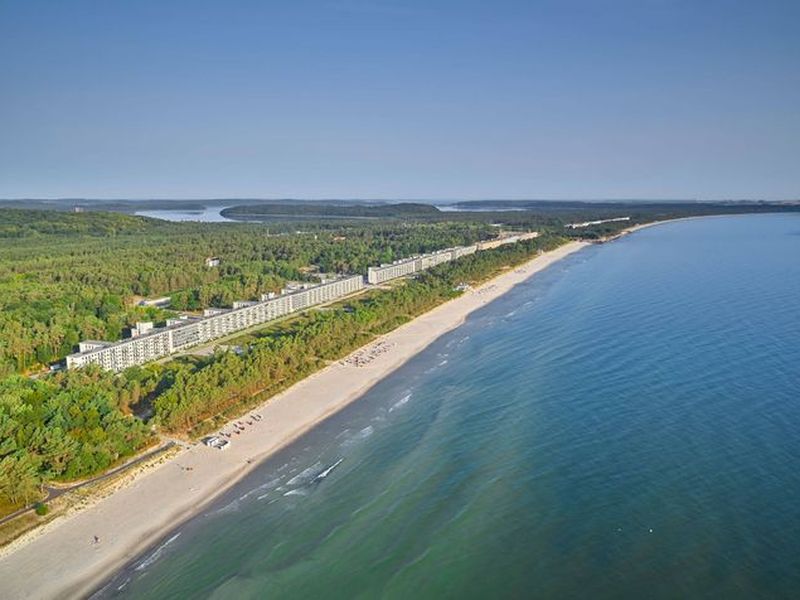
(148, 343)
(415, 264)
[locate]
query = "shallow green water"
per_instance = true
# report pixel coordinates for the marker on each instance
(627, 424)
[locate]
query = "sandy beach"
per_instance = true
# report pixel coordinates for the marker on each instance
(62, 560)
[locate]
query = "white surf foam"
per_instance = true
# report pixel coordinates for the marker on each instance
(402, 402)
(157, 554)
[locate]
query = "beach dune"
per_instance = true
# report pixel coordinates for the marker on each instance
(63, 559)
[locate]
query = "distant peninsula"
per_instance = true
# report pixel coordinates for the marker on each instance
(310, 209)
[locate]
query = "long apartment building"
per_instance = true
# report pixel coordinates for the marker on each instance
(184, 333)
(148, 344)
(415, 264)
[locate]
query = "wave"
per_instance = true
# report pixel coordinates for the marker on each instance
(360, 436)
(308, 479)
(305, 476)
(234, 504)
(157, 554)
(403, 401)
(364, 433)
(270, 484)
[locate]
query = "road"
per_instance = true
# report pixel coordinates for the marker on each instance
(55, 492)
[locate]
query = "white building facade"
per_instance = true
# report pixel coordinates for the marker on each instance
(158, 343)
(415, 264)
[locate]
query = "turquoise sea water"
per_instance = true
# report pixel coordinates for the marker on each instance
(625, 425)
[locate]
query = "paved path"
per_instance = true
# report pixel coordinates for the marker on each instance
(55, 492)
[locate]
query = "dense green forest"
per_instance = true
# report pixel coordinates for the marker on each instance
(66, 277)
(64, 427)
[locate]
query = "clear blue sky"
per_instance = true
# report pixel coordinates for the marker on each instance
(391, 99)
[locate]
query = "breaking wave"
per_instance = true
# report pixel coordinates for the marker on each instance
(402, 402)
(157, 554)
(360, 436)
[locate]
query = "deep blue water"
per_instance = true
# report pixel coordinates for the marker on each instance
(624, 425)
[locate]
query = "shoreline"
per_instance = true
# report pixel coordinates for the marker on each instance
(61, 558)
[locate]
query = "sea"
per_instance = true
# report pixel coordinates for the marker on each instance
(626, 424)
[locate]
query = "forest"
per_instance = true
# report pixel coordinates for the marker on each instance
(66, 277)
(65, 427)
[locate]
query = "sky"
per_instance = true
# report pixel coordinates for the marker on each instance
(421, 99)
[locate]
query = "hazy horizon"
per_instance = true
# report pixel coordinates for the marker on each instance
(396, 200)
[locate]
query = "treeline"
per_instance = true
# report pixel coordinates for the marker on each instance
(66, 427)
(518, 214)
(66, 277)
(651, 210)
(16, 223)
